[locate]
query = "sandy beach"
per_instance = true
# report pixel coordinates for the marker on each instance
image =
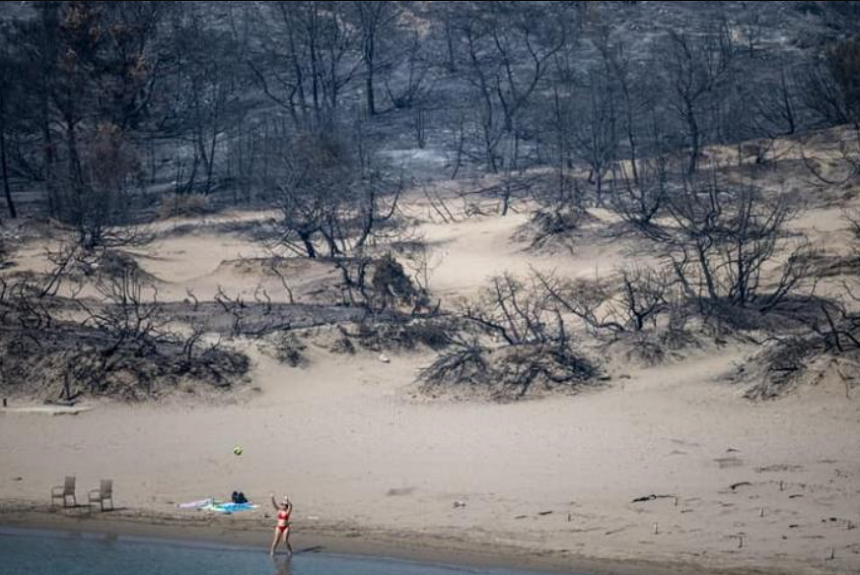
(372, 464)
(545, 483)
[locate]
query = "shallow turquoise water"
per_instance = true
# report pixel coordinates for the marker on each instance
(24, 552)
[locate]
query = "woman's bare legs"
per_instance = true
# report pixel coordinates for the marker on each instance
(275, 541)
(287, 541)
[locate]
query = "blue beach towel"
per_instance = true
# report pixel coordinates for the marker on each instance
(229, 508)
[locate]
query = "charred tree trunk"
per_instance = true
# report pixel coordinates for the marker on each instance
(307, 241)
(4, 164)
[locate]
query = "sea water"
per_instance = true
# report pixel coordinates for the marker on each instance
(26, 552)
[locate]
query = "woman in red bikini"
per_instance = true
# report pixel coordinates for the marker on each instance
(282, 529)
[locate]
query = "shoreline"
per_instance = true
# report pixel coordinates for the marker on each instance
(340, 540)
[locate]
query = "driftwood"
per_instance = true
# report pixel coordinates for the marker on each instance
(652, 497)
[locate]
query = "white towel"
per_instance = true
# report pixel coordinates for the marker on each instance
(196, 504)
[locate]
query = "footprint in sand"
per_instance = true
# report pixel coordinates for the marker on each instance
(726, 462)
(393, 492)
(779, 468)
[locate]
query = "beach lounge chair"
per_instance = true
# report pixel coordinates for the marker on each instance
(66, 491)
(102, 494)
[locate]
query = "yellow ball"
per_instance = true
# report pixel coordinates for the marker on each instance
(237, 450)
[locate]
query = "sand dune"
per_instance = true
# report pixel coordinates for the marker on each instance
(771, 487)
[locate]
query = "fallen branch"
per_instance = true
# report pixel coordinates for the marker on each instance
(652, 497)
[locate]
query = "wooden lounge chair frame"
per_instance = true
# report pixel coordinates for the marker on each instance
(101, 495)
(65, 492)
